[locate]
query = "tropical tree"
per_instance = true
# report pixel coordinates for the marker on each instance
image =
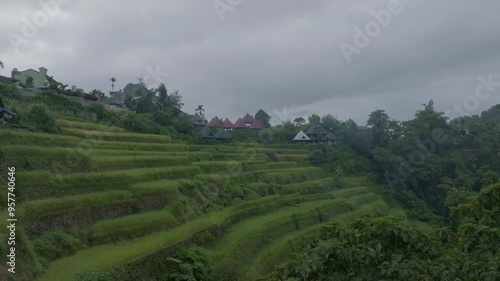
(200, 110)
(29, 82)
(263, 118)
(384, 248)
(379, 121)
(314, 118)
(97, 93)
(299, 121)
(174, 101)
(331, 123)
(113, 80)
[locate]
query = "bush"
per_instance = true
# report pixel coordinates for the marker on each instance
(55, 244)
(40, 118)
(134, 122)
(9, 92)
(101, 112)
(59, 102)
(190, 264)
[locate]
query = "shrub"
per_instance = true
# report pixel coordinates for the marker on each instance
(9, 92)
(190, 264)
(55, 244)
(59, 102)
(40, 118)
(135, 122)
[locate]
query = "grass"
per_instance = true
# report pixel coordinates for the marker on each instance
(54, 206)
(106, 256)
(131, 226)
(154, 188)
(245, 240)
(109, 163)
(88, 126)
(44, 184)
(248, 227)
(12, 137)
(61, 160)
(281, 249)
(311, 186)
(282, 165)
(293, 157)
(114, 136)
(117, 166)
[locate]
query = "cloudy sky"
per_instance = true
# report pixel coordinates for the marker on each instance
(288, 57)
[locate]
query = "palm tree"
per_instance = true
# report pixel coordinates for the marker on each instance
(97, 93)
(200, 110)
(113, 80)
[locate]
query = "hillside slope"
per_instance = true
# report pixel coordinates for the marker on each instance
(98, 198)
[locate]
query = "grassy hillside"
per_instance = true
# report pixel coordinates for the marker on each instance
(94, 197)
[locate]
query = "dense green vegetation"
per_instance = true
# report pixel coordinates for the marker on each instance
(383, 248)
(134, 195)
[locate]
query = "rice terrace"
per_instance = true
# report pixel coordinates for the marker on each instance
(235, 141)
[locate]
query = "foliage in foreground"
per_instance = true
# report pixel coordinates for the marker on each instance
(383, 248)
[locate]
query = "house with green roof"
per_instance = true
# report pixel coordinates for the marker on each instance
(222, 134)
(316, 133)
(206, 133)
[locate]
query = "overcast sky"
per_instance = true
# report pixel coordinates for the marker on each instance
(284, 56)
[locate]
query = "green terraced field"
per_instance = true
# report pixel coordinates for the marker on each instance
(133, 199)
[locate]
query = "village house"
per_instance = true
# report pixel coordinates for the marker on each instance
(198, 120)
(222, 134)
(39, 77)
(246, 123)
(7, 80)
(315, 133)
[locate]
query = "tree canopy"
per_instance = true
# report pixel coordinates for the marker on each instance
(263, 118)
(378, 247)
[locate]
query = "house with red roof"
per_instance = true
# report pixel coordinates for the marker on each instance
(248, 122)
(227, 124)
(214, 122)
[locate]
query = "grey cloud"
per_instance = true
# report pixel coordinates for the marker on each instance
(270, 54)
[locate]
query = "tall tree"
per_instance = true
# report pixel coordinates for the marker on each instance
(200, 110)
(299, 121)
(1, 64)
(174, 102)
(263, 118)
(162, 94)
(379, 121)
(113, 80)
(97, 93)
(330, 123)
(314, 118)
(29, 82)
